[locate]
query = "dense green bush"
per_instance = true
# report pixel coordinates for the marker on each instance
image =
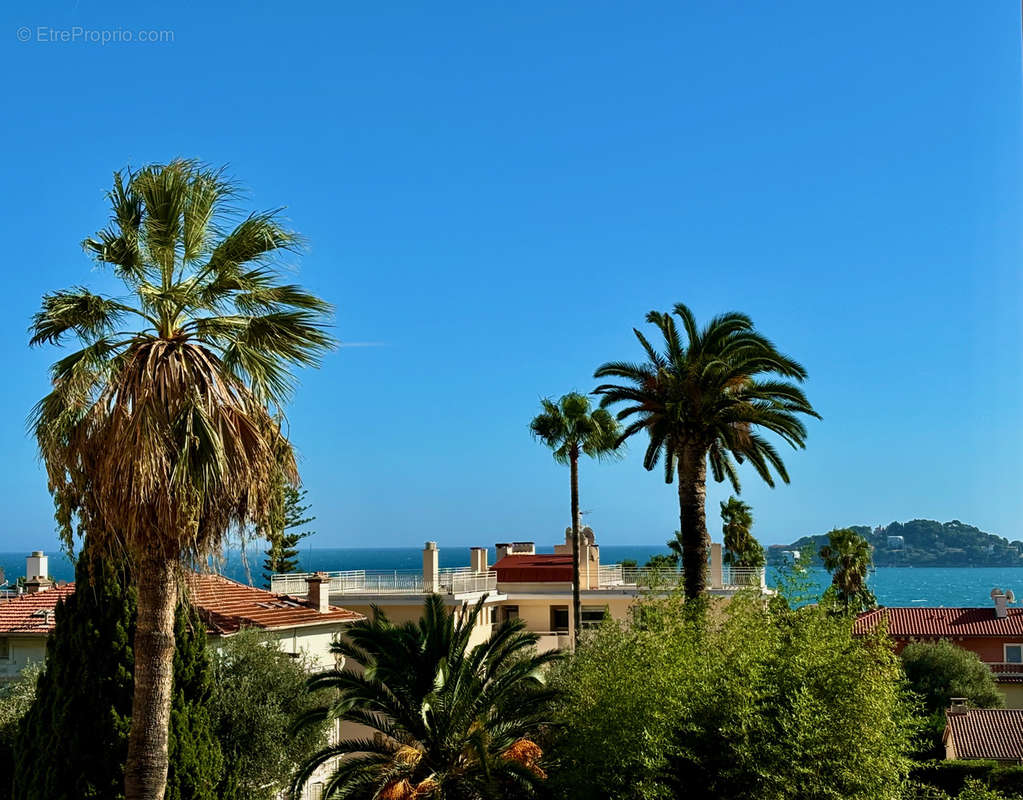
(951, 776)
(260, 692)
(752, 701)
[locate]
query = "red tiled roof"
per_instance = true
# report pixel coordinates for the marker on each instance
(32, 614)
(995, 733)
(227, 606)
(541, 568)
(942, 622)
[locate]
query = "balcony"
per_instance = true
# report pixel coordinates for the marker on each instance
(380, 582)
(732, 578)
(1006, 668)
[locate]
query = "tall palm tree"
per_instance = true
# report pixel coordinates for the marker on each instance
(848, 556)
(707, 398)
(450, 721)
(570, 429)
(162, 430)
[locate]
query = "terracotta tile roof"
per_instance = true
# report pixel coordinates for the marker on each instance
(540, 568)
(227, 606)
(995, 733)
(942, 622)
(32, 614)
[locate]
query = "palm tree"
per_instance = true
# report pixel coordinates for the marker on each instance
(449, 720)
(569, 429)
(163, 430)
(707, 399)
(847, 556)
(741, 548)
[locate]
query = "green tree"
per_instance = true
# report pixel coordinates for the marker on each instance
(74, 738)
(260, 693)
(570, 429)
(282, 554)
(767, 703)
(742, 550)
(939, 671)
(162, 432)
(707, 400)
(16, 698)
(847, 556)
(452, 721)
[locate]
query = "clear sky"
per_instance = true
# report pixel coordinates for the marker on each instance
(494, 194)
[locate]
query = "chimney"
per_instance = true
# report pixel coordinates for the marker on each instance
(960, 706)
(431, 567)
(1001, 603)
(503, 549)
(524, 548)
(37, 570)
(478, 559)
(319, 592)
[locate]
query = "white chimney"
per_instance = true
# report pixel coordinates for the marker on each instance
(1001, 603)
(319, 592)
(36, 566)
(431, 567)
(478, 559)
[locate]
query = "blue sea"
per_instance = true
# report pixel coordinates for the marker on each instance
(893, 586)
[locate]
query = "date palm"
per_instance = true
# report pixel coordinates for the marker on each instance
(449, 720)
(162, 430)
(570, 429)
(707, 398)
(742, 550)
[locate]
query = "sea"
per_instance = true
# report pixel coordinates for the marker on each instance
(893, 586)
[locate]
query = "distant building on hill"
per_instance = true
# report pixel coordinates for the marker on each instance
(994, 633)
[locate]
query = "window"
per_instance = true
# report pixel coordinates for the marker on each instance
(509, 613)
(5, 648)
(492, 614)
(559, 618)
(592, 616)
(316, 791)
(1014, 653)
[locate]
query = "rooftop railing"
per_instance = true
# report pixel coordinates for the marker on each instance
(612, 575)
(363, 581)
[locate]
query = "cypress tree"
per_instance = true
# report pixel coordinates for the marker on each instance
(74, 740)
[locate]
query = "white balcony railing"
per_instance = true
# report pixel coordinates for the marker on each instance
(362, 581)
(612, 575)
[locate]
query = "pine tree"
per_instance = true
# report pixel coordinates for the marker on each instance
(73, 741)
(282, 554)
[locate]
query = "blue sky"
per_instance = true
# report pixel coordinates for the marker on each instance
(494, 194)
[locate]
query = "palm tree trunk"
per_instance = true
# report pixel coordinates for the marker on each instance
(145, 773)
(692, 497)
(576, 610)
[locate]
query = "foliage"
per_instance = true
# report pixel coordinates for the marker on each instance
(750, 701)
(741, 549)
(570, 429)
(953, 777)
(163, 431)
(454, 721)
(847, 557)
(928, 543)
(260, 693)
(73, 740)
(16, 698)
(707, 399)
(939, 671)
(282, 554)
